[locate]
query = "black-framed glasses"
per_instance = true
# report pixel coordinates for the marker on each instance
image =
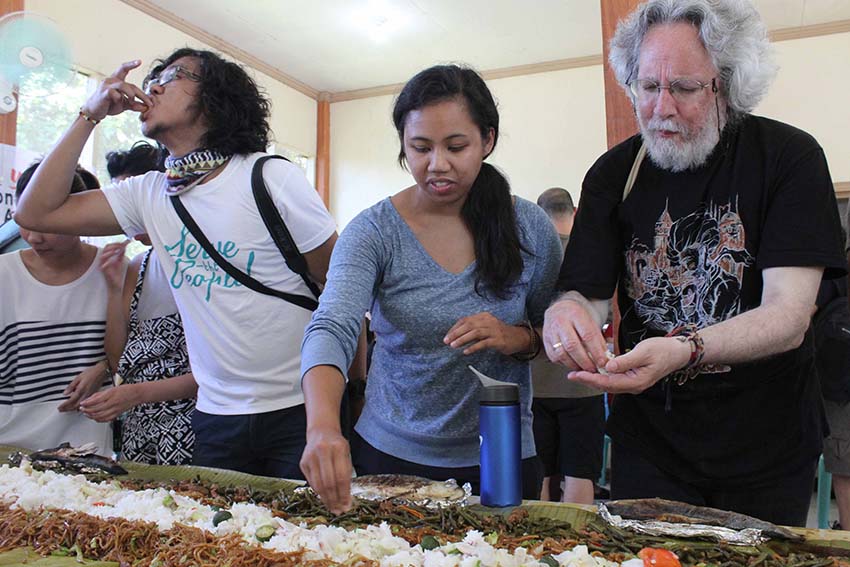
(680, 89)
(170, 74)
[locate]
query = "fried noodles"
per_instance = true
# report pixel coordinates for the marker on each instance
(137, 543)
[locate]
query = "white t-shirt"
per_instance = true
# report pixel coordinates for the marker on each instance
(156, 299)
(244, 346)
(48, 335)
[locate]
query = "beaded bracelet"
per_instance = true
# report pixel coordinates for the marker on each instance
(88, 118)
(536, 344)
(689, 333)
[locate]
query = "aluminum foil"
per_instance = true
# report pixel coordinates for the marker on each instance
(747, 536)
(459, 498)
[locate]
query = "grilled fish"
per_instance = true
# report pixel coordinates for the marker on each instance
(672, 512)
(82, 459)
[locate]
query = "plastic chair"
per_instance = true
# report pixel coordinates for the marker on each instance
(824, 492)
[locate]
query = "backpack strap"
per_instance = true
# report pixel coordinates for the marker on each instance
(276, 227)
(630, 181)
(234, 272)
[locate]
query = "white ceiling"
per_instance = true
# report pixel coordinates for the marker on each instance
(333, 45)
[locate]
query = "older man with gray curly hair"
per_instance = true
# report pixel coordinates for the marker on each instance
(716, 245)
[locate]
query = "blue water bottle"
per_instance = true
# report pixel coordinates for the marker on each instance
(501, 456)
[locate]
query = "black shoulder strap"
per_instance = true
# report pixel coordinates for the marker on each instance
(276, 227)
(243, 278)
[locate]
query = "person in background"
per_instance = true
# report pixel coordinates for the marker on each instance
(155, 392)
(138, 160)
(243, 346)
(569, 418)
(716, 244)
(836, 447)
(10, 233)
(52, 319)
(558, 205)
(455, 272)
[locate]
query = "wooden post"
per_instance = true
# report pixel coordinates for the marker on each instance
(323, 148)
(9, 120)
(619, 114)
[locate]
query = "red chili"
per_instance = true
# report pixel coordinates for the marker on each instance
(655, 557)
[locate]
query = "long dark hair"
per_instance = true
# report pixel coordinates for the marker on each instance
(236, 112)
(489, 210)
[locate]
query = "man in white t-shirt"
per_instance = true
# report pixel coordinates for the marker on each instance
(244, 346)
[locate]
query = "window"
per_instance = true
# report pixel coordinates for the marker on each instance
(46, 110)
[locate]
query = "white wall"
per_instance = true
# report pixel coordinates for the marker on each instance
(552, 129)
(812, 92)
(364, 146)
(105, 33)
(549, 135)
(553, 125)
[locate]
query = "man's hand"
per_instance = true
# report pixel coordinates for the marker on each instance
(632, 373)
(112, 265)
(484, 331)
(115, 95)
(85, 384)
(326, 464)
(107, 405)
(572, 337)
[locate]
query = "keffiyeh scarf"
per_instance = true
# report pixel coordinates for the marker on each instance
(184, 172)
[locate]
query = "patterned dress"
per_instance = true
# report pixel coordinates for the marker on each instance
(161, 432)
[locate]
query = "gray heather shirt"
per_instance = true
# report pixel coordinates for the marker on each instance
(421, 400)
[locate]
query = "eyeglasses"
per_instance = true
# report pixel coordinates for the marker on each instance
(681, 89)
(170, 74)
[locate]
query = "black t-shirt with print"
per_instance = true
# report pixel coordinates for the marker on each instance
(690, 247)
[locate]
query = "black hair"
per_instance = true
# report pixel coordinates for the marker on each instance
(234, 108)
(556, 201)
(88, 178)
(488, 210)
(140, 158)
(83, 180)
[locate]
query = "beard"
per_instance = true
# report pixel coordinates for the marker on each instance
(688, 152)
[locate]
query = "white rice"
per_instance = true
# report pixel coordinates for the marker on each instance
(32, 490)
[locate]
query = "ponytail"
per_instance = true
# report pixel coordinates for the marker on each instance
(489, 214)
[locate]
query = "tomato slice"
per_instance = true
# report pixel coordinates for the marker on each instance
(655, 557)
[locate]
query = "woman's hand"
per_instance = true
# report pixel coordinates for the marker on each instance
(115, 95)
(326, 464)
(83, 385)
(484, 331)
(107, 405)
(112, 265)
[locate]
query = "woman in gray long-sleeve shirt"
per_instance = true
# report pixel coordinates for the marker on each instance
(455, 271)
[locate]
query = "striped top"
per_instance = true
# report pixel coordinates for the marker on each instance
(38, 359)
(48, 335)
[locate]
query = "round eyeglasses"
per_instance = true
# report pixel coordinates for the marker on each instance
(170, 74)
(681, 89)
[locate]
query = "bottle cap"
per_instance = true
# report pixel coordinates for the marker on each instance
(501, 394)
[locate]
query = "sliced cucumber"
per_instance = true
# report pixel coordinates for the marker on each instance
(221, 516)
(429, 542)
(264, 533)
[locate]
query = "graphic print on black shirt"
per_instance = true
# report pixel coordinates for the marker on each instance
(692, 273)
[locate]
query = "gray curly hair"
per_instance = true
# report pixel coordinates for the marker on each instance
(731, 31)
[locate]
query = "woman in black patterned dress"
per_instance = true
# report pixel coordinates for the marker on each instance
(146, 347)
